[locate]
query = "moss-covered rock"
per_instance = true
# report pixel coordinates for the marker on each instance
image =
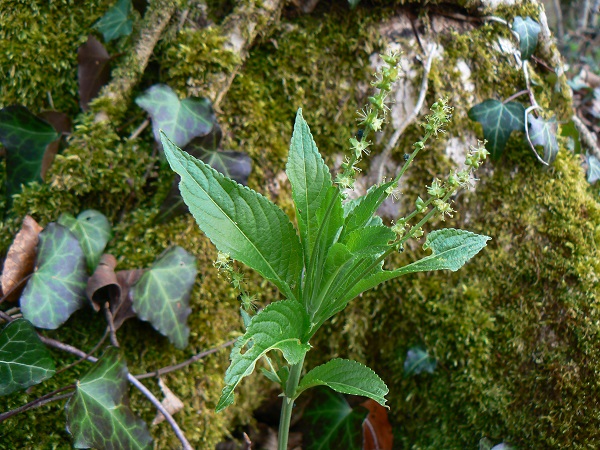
(515, 332)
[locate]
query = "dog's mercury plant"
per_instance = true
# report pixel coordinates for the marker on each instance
(337, 253)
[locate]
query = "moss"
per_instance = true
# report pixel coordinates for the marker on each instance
(49, 67)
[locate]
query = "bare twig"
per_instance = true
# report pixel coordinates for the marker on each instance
(528, 84)
(139, 129)
(582, 23)
(50, 397)
(183, 364)
(5, 317)
(111, 325)
(91, 352)
(515, 95)
(587, 137)
(560, 30)
(149, 395)
(595, 12)
(16, 286)
(412, 116)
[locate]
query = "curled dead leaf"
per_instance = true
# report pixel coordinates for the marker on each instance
(377, 431)
(123, 309)
(20, 259)
(171, 403)
(103, 285)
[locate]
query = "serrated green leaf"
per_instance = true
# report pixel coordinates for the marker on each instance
(498, 121)
(116, 22)
(347, 377)
(360, 211)
(528, 30)
(24, 360)
(57, 287)
(26, 138)
(98, 415)
(334, 423)
(239, 221)
(369, 240)
(181, 120)
(593, 173)
(451, 249)
(417, 361)
(162, 295)
(281, 325)
(93, 231)
(312, 190)
(543, 132)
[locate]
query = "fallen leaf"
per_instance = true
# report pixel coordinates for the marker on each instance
(377, 431)
(93, 70)
(171, 403)
(20, 259)
(62, 124)
(123, 309)
(103, 285)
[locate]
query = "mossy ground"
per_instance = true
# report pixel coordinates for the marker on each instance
(515, 332)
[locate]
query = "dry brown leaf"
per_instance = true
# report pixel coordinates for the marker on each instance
(171, 403)
(103, 285)
(377, 431)
(123, 309)
(20, 259)
(61, 123)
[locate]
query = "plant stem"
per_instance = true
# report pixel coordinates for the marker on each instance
(288, 404)
(50, 397)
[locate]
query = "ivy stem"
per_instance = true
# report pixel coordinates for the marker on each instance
(50, 397)
(288, 404)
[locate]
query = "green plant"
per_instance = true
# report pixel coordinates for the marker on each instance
(339, 254)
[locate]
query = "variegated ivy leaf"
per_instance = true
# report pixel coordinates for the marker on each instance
(543, 132)
(24, 360)
(528, 30)
(98, 414)
(93, 231)
(180, 120)
(282, 326)
(498, 121)
(162, 295)
(593, 173)
(57, 287)
(347, 377)
(116, 22)
(417, 361)
(26, 138)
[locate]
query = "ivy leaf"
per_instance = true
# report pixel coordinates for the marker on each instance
(116, 22)
(281, 325)
(98, 415)
(451, 249)
(181, 120)
(162, 295)
(239, 221)
(334, 424)
(417, 361)
(234, 165)
(57, 287)
(498, 121)
(593, 173)
(542, 132)
(93, 70)
(313, 192)
(347, 377)
(26, 138)
(93, 231)
(24, 360)
(528, 30)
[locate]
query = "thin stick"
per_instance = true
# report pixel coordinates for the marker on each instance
(518, 94)
(411, 117)
(183, 364)
(139, 130)
(585, 14)
(560, 30)
(10, 291)
(5, 317)
(587, 137)
(149, 395)
(91, 352)
(111, 325)
(50, 397)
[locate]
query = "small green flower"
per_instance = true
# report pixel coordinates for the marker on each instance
(436, 189)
